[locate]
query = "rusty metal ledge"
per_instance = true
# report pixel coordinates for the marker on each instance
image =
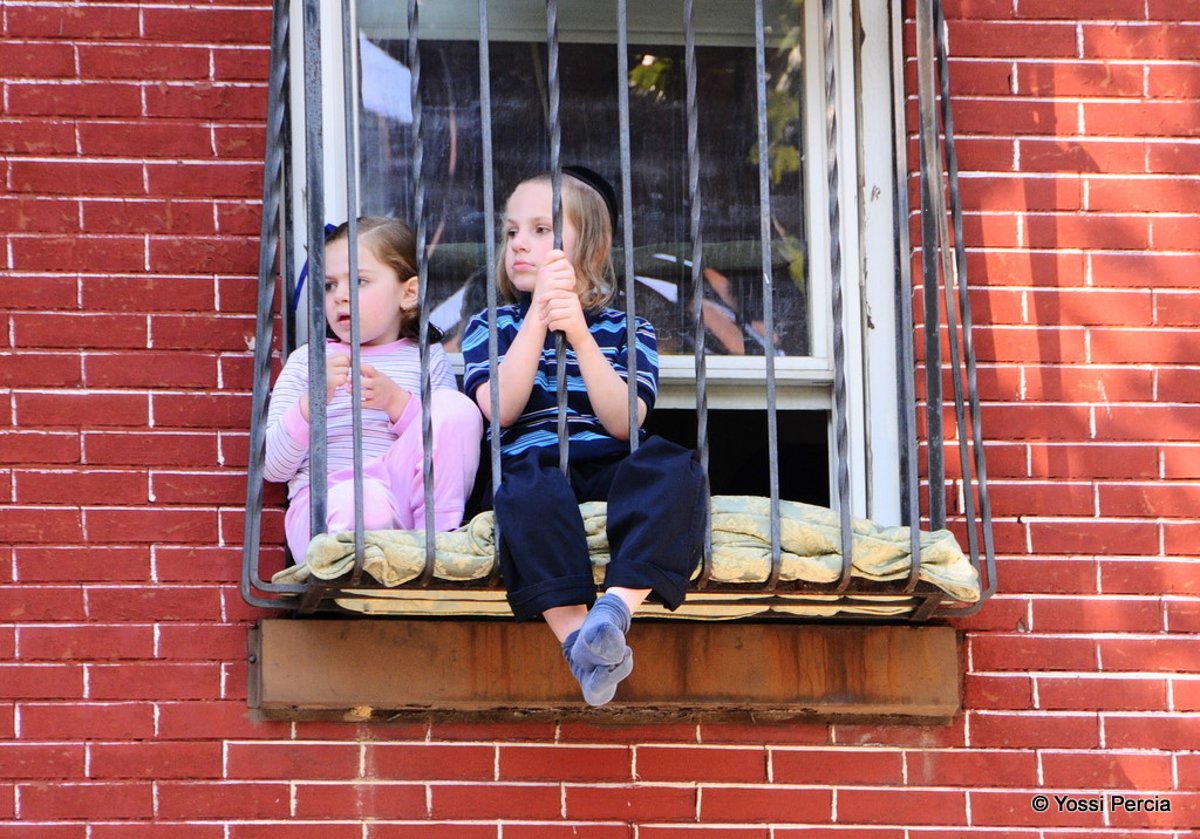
(359, 670)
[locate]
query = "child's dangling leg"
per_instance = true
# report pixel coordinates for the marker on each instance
(597, 681)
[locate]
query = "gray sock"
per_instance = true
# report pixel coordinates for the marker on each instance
(601, 639)
(598, 682)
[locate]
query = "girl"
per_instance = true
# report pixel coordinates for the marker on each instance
(393, 487)
(656, 496)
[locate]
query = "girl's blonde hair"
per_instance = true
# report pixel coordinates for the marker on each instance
(595, 279)
(394, 244)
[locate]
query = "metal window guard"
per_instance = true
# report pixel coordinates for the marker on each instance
(943, 266)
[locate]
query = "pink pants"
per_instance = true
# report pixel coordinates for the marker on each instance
(393, 486)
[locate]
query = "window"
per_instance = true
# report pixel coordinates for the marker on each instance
(735, 343)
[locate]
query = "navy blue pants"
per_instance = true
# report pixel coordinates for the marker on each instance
(657, 512)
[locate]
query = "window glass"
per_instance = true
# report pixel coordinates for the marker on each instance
(728, 143)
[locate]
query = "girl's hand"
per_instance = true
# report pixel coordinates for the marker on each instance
(379, 391)
(337, 375)
(554, 297)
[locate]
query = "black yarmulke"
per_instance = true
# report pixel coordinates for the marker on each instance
(597, 182)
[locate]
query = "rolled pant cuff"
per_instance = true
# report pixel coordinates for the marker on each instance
(530, 601)
(669, 589)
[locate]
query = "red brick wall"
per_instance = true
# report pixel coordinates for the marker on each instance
(131, 137)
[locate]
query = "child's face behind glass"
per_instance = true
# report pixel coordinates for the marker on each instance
(381, 295)
(529, 233)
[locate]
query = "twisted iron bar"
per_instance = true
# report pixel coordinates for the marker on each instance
(627, 225)
(418, 214)
(841, 429)
(560, 344)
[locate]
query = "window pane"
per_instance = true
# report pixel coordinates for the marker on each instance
(587, 70)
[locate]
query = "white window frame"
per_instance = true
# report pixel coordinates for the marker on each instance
(866, 161)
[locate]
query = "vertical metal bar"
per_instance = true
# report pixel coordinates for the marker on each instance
(841, 430)
(560, 346)
(270, 246)
(964, 303)
(489, 238)
(905, 364)
(931, 209)
(627, 225)
(764, 235)
(693, 158)
(418, 215)
(350, 115)
(315, 173)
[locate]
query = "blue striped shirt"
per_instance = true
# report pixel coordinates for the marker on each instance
(538, 424)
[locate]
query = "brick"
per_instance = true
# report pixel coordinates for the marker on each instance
(838, 767)
(155, 760)
(495, 801)
(87, 721)
(1181, 539)
(86, 642)
(1156, 41)
(206, 25)
(1160, 423)
(1089, 154)
(1136, 346)
(1037, 422)
(880, 806)
(41, 761)
(1183, 616)
(1150, 655)
(237, 372)
(1152, 731)
(99, 801)
(1013, 809)
(77, 253)
(308, 761)
(973, 768)
(1020, 343)
(670, 832)
(72, 22)
(204, 100)
(205, 180)
(1082, 770)
(1153, 119)
(946, 736)
(218, 720)
(150, 369)
(1172, 233)
(385, 761)
(187, 563)
(549, 831)
(57, 98)
(203, 255)
(297, 830)
(765, 804)
(198, 488)
(152, 294)
(1021, 193)
(241, 64)
(157, 830)
(596, 764)
(1086, 230)
(42, 60)
(1079, 79)
(1092, 460)
(81, 487)
(193, 800)
(1174, 500)
(1173, 157)
(1042, 269)
(159, 680)
(1185, 694)
(157, 216)
(154, 603)
(37, 136)
(41, 681)
(39, 369)
(239, 219)
(215, 410)
(1147, 270)
(1149, 576)
(1083, 693)
(201, 642)
(180, 332)
(1027, 498)
(1028, 731)
(43, 293)
(1184, 812)
(673, 763)
(1098, 9)
(38, 447)
(1096, 615)
(1175, 385)
(347, 801)
(239, 142)
(997, 693)
(1095, 537)
(795, 733)
(39, 525)
(1172, 10)
(106, 525)
(156, 448)
(20, 829)
(27, 213)
(1131, 195)
(79, 330)
(142, 61)
(1172, 81)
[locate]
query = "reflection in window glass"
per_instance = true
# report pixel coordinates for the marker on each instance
(452, 174)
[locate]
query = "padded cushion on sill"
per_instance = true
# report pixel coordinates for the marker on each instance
(741, 528)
